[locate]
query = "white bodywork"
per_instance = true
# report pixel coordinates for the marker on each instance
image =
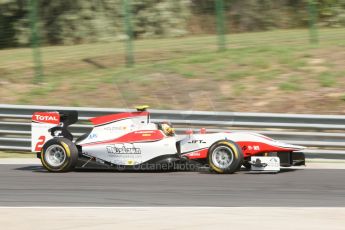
(269, 164)
(137, 153)
(131, 153)
(195, 142)
(127, 153)
(117, 129)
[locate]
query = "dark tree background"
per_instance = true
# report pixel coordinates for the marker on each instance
(80, 21)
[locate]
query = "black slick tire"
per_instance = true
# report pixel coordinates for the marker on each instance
(59, 155)
(233, 156)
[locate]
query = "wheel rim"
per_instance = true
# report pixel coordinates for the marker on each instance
(55, 155)
(222, 157)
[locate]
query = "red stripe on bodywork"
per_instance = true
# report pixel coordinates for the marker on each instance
(136, 136)
(197, 154)
(250, 148)
(114, 117)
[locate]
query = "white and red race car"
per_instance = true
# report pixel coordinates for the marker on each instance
(131, 140)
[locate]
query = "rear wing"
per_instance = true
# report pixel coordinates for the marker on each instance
(46, 124)
(40, 124)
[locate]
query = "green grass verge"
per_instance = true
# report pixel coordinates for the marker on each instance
(16, 155)
(182, 73)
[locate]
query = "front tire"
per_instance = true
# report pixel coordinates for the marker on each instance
(225, 157)
(59, 155)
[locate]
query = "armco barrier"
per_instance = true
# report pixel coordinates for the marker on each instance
(323, 134)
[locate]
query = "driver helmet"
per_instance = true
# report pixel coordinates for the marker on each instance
(167, 128)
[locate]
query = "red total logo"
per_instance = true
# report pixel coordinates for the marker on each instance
(52, 118)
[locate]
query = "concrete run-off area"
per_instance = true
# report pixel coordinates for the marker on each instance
(283, 218)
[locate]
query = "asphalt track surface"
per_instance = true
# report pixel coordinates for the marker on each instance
(31, 185)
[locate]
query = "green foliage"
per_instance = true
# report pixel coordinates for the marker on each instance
(257, 15)
(84, 21)
(154, 18)
(9, 12)
(254, 15)
(332, 12)
(80, 21)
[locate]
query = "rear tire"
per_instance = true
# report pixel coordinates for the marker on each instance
(225, 157)
(59, 155)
